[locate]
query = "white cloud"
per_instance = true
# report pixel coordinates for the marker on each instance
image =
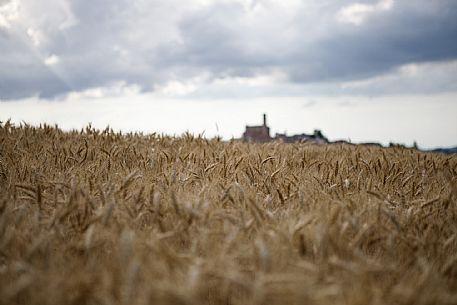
(58, 14)
(35, 36)
(8, 13)
(115, 89)
(177, 88)
(357, 13)
(51, 60)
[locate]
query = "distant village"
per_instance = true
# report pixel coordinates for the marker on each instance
(261, 134)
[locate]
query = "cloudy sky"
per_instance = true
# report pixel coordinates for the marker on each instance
(376, 70)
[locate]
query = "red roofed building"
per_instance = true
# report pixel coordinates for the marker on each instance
(261, 134)
(258, 133)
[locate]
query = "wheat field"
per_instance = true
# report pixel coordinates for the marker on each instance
(99, 217)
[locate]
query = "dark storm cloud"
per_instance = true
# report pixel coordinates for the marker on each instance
(404, 35)
(344, 52)
(96, 43)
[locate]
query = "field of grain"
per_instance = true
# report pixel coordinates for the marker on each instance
(98, 217)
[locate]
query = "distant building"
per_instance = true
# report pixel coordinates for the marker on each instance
(316, 137)
(258, 133)
(261, 134)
